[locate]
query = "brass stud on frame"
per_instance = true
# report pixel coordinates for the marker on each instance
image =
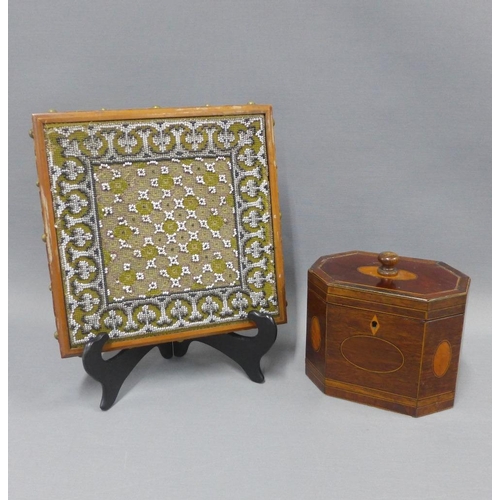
(44, 237)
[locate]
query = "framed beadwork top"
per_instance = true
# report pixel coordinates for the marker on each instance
(161, 224)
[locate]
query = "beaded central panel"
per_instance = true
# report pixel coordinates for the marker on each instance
(167, 226)
(162, 224)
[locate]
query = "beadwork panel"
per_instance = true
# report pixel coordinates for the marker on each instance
(164, 227)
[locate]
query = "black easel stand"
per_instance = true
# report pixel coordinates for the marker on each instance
(246, 351)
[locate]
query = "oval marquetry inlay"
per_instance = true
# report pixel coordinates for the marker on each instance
(372, 354)
(315, 334)
(442, 359)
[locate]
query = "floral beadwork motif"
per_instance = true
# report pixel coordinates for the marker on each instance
(176, 227)
(162, 224)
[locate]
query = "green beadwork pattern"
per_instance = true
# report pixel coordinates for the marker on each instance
(162, 225)
(175, 227)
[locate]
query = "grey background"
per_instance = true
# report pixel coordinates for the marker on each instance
(383, 139)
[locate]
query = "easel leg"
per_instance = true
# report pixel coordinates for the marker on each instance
(110, 373)
(246, 351)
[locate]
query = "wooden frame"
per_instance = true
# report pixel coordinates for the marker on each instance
(165, 169)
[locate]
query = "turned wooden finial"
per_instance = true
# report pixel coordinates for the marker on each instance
(388, 261)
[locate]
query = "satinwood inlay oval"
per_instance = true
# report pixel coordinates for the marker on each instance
(442, 359)
(315, 334)
(372, 354)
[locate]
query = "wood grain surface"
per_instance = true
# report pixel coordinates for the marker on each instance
(390, 347)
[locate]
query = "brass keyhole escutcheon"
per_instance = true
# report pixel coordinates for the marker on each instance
(374, 325)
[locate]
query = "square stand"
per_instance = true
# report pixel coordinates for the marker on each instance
(246, 351)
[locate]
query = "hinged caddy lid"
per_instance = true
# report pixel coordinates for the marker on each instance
(431, 287)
